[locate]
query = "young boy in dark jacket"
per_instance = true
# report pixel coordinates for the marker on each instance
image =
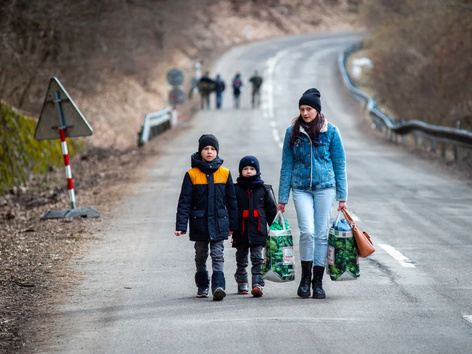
(256, 209)
(208, 200)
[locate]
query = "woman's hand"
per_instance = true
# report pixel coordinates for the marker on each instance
(281, 207)
(178, 233)
(342, 205)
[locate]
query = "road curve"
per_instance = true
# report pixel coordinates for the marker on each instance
(414, 292)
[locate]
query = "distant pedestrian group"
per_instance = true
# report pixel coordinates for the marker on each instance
(206, 86)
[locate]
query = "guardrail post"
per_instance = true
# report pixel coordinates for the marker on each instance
(174, 116)
(433, 145)
(416, 139)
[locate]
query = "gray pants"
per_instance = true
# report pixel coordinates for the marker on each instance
(257, 260)
(216, 252)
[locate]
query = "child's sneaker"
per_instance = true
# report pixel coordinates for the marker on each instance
(219, 294)
(202, 292)
(257, 290)
(242, 289)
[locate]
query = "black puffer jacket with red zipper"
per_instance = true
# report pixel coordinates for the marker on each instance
(256, 209)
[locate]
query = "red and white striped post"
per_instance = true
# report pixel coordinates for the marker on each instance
(65, 154)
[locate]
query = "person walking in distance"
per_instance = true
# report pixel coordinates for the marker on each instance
(314, 168)
(237, 87)
(256, 82)
(205, 86)
(208, 200)
(219, 89)
(256, 208)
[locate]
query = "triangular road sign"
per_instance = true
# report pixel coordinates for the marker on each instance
(60, 112)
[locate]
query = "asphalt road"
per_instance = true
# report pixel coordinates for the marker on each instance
(414, 292)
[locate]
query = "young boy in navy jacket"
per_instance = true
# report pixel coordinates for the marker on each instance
(208, 200)
(256, 209)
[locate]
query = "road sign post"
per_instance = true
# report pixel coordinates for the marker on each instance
(175, 78)
(58, 107)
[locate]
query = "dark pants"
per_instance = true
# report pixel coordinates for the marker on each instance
(219, 99)
(256, 97)
(216, 253)
(236, 100)
(257, 260)
(205, 97)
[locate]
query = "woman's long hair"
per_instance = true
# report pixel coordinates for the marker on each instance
(313, 128)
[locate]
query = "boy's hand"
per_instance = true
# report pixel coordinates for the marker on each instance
(230, 233)
(342, 205)
(281, 207)
(178, 233)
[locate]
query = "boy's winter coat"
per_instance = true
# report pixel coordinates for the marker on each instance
(256, 209)
(208, 200)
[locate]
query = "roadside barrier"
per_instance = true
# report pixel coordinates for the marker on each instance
(459, 140)
(156, 123)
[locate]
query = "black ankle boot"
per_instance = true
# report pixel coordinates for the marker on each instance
(318, 292)
(304, 287)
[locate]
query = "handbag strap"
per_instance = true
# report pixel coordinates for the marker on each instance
(348, 217)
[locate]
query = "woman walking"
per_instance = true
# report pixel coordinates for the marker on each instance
(314, 168)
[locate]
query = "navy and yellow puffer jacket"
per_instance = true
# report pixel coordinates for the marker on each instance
(208, 200)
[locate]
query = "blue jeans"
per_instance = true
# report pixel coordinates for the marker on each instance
(313, 214)
(219, 99)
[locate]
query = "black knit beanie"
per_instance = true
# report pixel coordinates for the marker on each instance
(208, 140)
(249, 161)
(312, 98)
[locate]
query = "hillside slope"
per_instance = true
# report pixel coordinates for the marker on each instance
(113, 57)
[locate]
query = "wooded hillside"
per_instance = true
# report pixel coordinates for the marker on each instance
(422, 56)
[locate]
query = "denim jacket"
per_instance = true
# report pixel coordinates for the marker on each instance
(306, 166)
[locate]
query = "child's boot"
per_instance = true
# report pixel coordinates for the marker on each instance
(242, 283)
(257, 285)
(203, 283)
(242, 289)
(218, 285)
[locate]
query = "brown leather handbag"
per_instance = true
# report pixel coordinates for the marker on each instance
(364, 244)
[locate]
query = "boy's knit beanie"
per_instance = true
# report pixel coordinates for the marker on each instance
(208, 140)
(312, 98)
(249, 161)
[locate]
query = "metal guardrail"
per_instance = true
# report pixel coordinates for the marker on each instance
(431, 134)
(155, 124)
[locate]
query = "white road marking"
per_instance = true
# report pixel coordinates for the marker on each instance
(400, 258)
(275, 319)
(268, 94)
(468, 318)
